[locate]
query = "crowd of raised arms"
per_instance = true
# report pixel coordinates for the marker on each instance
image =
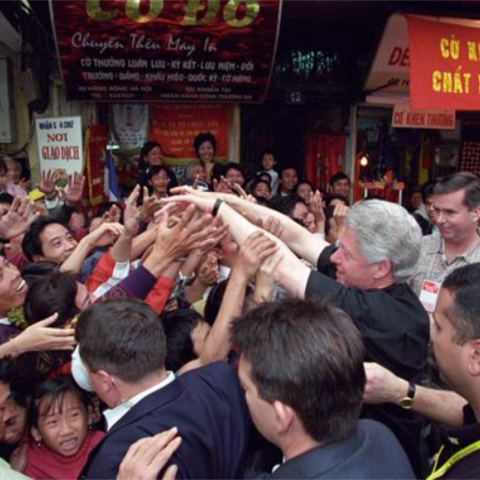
(223, 326)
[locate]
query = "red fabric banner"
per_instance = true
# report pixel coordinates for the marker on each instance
(156, 50)
(444, 65)
(175, 126)
(96, 138)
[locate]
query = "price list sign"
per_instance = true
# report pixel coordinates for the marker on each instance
(166, 50)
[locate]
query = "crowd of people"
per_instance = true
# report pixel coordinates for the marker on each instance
(220, 326)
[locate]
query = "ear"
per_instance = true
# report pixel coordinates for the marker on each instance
(476, 214)
(384, 268)
(36, 434)
(474, 357)
(105, 380)
(285, 416)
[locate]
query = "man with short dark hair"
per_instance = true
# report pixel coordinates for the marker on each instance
(302, 370)
(455, 333)
(288, 181)
(122, 344)
(340, 185)
(456, 205)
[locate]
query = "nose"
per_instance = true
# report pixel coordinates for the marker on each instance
(65, 427)
(335, 258)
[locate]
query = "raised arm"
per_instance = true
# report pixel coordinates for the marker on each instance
(441, 406)
(297, 238)
(291, 273)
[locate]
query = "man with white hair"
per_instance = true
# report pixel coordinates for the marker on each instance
(376, 256)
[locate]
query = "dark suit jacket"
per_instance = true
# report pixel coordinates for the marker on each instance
(372, 452)
(207, 406)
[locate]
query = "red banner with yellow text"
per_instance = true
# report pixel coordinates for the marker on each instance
(166, 50)
(444, 65)
(175, 126)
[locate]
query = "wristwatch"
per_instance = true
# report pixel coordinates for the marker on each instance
(407, 402)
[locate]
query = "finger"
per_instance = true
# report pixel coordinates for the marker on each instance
(195, 182)
(15, 204)
(170, 473)
(157, 444)
(164, 456)
(47, 321)
(133, 197)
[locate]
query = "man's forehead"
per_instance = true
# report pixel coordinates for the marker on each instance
(449, 200)
(4, 392)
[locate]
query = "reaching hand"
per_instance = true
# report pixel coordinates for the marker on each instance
(105, 234)
(41, 337)
(130, 215)
(272, 225)
(74, 191)
(208, 271)
(254, 251)
(18, 218)
(146, 457)
(264, 280)
(150, 205)
(47, 183)
(382, 385)
(24, 183)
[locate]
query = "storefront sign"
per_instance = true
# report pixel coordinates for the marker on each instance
(60, 143)
(156, 50)
(445, 65)
(404, 117)
(175, 127)
(390, 68)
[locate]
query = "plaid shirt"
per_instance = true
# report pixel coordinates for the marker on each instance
(432, 264)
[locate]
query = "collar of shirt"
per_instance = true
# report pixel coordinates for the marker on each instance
(4, 321)
(113, 415)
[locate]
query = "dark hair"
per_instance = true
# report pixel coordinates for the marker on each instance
(267, 152)
(308, 356)
(157, 169)
(286, 205)
(336, 196)
(337, 177)
(179, 325)
(215, 298)
(33, 272)
(124, 337)
(53, 392)
(6, 198)
(287, 167)
(464, 313)
(146, 149)
(31, 244)
(20, 384)
(233, 166)
(262, 175)
(257, 182)
(55, 293)
(202, 138)
(3, 166)
(461, 181)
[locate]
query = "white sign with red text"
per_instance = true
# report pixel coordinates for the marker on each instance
(404, 117)
(60, 143)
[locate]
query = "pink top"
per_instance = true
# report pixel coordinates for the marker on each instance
(43, 463)
(15, 190)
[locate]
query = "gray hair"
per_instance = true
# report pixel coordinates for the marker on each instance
(386, 231)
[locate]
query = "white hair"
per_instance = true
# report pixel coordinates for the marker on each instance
(386, 231)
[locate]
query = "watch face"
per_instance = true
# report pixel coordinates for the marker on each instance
(406, 403)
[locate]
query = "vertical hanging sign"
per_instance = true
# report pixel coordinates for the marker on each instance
(166, 50)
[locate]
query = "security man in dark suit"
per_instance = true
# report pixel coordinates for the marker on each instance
(122, 344)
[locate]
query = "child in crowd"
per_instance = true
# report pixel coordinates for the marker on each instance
(268, 164)
(61, 438)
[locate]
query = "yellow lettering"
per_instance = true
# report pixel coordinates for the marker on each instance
(457, 82)
(437, 81)
(252, 9)
(193, 7)
(444, 47)
(472, 51)
(94, 11)
(447, 82)
(467, 76)
(455, 48)
(132, 10)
